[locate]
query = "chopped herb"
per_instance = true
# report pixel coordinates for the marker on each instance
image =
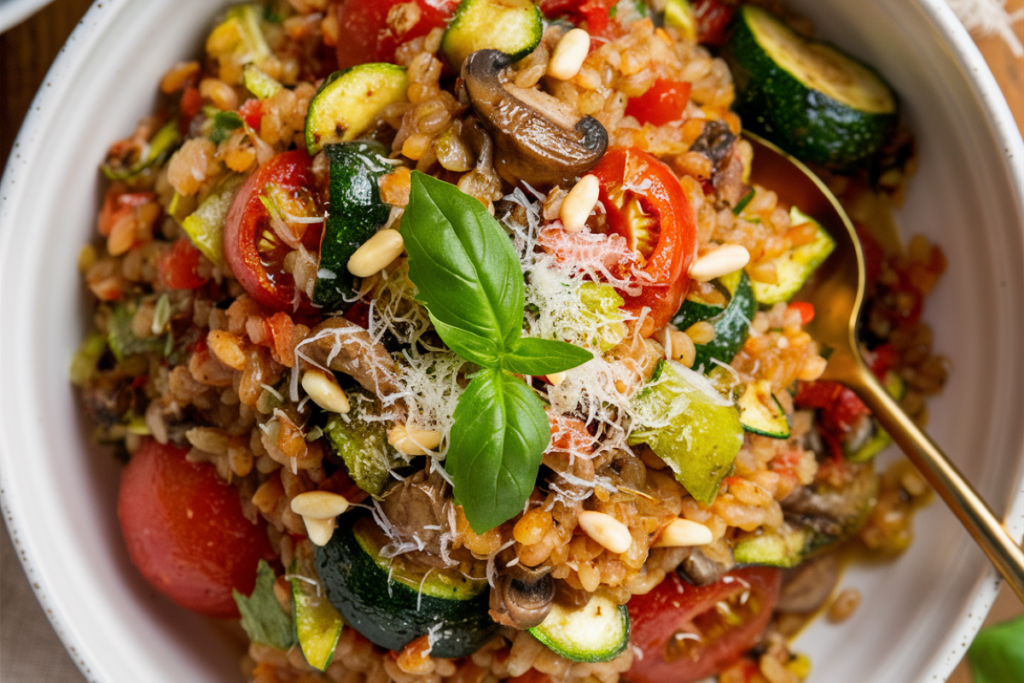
(742, 204)
(262, 616)
(224, 123)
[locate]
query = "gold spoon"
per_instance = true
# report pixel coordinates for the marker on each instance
(837, 293)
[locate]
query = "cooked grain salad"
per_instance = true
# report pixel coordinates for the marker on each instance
(450, 340)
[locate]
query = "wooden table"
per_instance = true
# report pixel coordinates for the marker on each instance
(27, 50)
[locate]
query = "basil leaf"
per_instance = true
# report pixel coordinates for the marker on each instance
(262, 616)
(466, 271)
(224, 122)
(531, 356)
(997, 654)
(499, 437)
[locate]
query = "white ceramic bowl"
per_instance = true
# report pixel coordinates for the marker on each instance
(58, 492)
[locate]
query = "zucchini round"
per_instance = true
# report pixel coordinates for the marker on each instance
(514, 27)
(349, 101)
(732, 323)
(807, 97)
(393, 605)
(595, 632)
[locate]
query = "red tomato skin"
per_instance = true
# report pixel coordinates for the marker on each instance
(595, 13)
(713, 17)
(185, 531)
(365, 36)
(178, 266)
(655, 617)
(245, 220)
(663, 103)
(667, 281)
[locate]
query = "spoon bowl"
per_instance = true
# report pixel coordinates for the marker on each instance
(837, 292)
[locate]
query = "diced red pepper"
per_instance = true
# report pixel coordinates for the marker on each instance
(281, 330)
(663, 103)
(179, 266)
(191, 104)
(713, 17)
(252, 113)
(806, 310)
(595, 13)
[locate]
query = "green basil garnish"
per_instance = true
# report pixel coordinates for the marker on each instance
(468, 276)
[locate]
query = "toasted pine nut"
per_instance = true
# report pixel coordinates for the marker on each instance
(606, 530)
(812, 369)
(578, 204)
(556, 378)
(683, 349)
(701, 332)
(227, 348)
(376, 253)
(413, 441)
(319, 504)
(319, 530)
(569, 54)
(722, 261)
(681, 533)
(324, 391)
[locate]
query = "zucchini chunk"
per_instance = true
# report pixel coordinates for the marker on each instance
(595, 632)
(258, 82)
(362, 444)
(688, 424)
(807, 97)
(356, 213)
(784, 548)
(350, 101)
(731, 322)
(160, 146)
(761, 413)
(392, 602)
(514, 27)
(795, 266)
(317, 623)
(205, 225)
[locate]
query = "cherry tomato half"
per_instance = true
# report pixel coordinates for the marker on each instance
(645, 204)
(252, 249)
(185, 530)
(371, 30)
(663, 103)
(687, 632)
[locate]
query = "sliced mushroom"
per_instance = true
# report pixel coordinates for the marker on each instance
(715, 142)
(522, 599)
(537, 138)
(701, 570)
(807, 586)
(417, 509)
(834, 511)
(344, 346)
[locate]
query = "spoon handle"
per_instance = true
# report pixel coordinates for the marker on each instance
(944, 477)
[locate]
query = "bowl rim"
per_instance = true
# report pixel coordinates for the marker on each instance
(93, 24)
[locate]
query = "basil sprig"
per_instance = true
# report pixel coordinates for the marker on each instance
(469, 278)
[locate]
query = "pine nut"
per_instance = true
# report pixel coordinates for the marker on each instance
(682, 533)
(319, 504)
(569, 54)
(722, 261)
(606, 530)
(578, 204)
(701, 332)
(324, 391)
(413, 441)
(556, 378)
(227, 349)
(376, 253)
(683, 348)
(319, 530)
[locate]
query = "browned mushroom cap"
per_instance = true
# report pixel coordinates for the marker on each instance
(537, 138)
(522, 599)
(344, 346)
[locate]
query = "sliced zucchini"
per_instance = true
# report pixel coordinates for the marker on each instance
(318, 624)
(362, 444)
(205, 225)
(865, 446)
(392, 601)
(795, 266)
(784, 548)
(350, 101)
(731, 323)
(809, 98)
(356, 213)
(122, 340)
(258, 82)
(163, 142)
(514, 27)
(596, 632)
(688, 424)
(240, 34)
(761, 413)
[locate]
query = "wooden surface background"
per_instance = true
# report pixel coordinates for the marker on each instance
(27, 50)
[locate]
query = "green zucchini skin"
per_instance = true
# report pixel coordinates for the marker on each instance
(806, 122)
(732, 324)
(513, 26)
(356, 213)
(390, 613)
(348, 102)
